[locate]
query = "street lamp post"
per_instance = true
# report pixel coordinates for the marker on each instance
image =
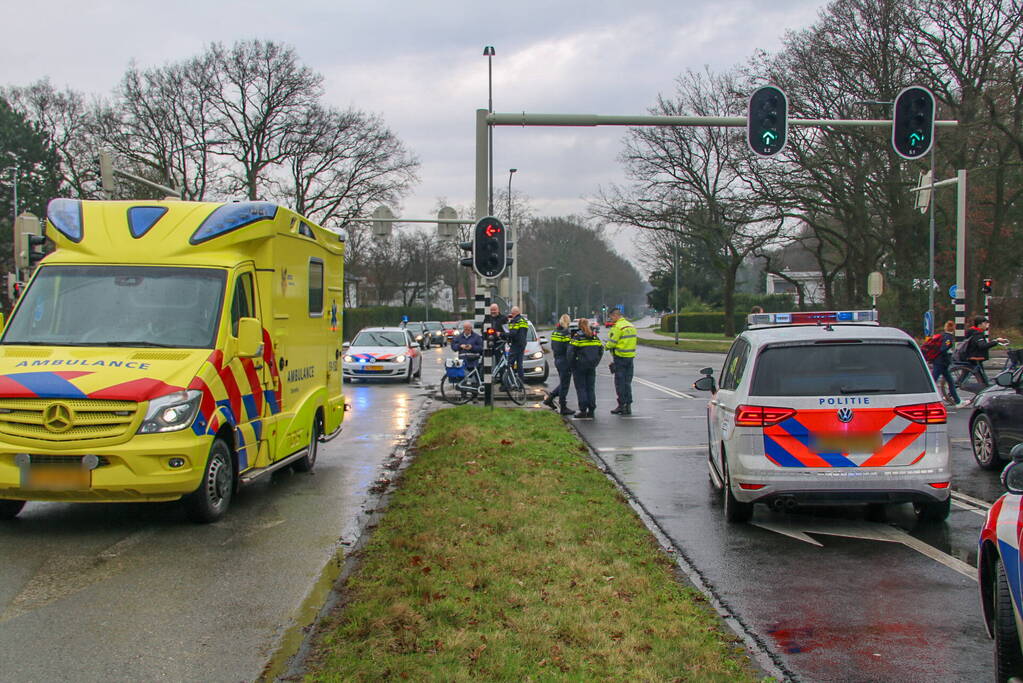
(539, 299)
(557, 281)
(14, 182)
(488, 52)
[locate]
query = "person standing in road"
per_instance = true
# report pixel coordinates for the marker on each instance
(584, 354)
(518, 327)
(943, 361)
(978, 345)
(560, 340)
(621, 343)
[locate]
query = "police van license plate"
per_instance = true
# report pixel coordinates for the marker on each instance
(847, 443)
(50, 477)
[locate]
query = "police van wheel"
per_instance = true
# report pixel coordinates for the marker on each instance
(9, 509)
(1008, 656)
(308, 461)
(735, 511)
(933, 512)
(210, 501)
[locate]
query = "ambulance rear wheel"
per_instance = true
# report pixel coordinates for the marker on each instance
(210, 501)
(307, 462)
(736, 512)
(9, 509)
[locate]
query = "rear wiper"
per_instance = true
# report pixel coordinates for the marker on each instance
(868, 390)
(136, 343)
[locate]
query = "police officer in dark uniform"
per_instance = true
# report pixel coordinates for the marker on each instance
(584, 354)
(517, 329)
(560, 339)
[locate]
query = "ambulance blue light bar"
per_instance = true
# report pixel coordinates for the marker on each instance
(229, 217)
(811, 318)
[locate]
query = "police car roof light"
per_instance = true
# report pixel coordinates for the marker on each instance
(810, 318)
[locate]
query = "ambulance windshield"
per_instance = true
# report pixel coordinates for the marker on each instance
(131, 306)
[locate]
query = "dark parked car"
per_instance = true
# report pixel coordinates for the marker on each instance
(419, 333)
(996, 424)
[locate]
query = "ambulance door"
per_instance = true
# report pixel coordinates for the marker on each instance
(256, 384)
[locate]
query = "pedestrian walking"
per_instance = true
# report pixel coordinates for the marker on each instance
(942, 360)
(977, 345)
(584, 354)
(561, 338)
(621, 344)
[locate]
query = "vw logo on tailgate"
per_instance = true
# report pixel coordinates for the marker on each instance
(845, 414)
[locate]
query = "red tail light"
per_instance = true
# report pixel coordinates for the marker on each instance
(751, 487)
(924, 413)
(939, 484)
(761, 416)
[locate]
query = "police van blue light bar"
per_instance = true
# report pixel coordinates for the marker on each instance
(811, 318)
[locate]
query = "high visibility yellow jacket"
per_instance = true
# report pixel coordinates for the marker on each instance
(621, 340)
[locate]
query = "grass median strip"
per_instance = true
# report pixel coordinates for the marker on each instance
(688, 345)
(505, 554)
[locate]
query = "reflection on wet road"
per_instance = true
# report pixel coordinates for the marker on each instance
(833, 595)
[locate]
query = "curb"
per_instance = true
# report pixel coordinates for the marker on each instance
(768, 661)
(287, 662)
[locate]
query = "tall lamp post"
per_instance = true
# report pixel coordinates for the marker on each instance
(488, 52)
(539, 299)
(14, 181)
(513, 272)
(557, 281)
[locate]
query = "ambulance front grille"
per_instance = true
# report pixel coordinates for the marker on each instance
(26, 418)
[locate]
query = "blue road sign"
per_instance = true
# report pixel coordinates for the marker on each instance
(404, 318)
(928, 324)
(953, 292)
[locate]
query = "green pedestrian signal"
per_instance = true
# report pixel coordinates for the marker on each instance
(767, 121)
(913, 122)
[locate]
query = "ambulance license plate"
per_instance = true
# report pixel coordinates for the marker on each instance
(374, 368)
(47, 477)
(848, 443)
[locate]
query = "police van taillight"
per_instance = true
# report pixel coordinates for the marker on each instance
(924, 413)
(761, 416)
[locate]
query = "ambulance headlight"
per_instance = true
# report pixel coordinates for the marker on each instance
(171, 412)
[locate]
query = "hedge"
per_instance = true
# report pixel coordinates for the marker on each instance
(386, 316)
(713, 321)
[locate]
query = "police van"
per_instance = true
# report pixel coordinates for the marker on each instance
(170, 350)
(826, 408)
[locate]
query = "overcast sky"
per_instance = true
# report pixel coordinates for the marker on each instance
(420, 66)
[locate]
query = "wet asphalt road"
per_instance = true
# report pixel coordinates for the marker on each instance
(137, 593)
(832, 595)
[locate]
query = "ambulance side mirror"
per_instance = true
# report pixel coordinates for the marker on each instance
(250, 338)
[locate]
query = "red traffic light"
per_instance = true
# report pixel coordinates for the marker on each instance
(492, 230)
(985, 285)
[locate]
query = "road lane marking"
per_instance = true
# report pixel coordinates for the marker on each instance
(959, 440)
(654, 385)
(982, 504)
(631, 449)
(799, 528)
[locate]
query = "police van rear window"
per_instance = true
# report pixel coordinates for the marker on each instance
(837, 369)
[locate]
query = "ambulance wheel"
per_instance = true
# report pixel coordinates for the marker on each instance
(210, 501)
(985, 447)
(9, 509)
(735, 511)
(933, 512)
(308, 461)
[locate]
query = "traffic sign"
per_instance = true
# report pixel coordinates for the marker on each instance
(953, 292)
(928, 324)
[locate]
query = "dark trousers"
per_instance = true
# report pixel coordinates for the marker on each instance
(564, 369)
(623, 379)
(939, 370)
(515, 354)
(585, 387)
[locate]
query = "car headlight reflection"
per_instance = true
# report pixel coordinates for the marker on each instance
(537, 356)
(399, 359)
(171, 412)
(349, 359)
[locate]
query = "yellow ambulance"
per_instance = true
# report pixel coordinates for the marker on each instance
(170, 350)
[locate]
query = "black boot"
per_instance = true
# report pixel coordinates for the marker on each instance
(620, 410)
(549, 401)
(565, 410)
(583, 413)
(626, 409)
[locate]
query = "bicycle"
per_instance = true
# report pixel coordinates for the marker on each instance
(970, 380)
(459, 390)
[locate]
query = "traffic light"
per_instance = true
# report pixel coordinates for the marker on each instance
(489, 250)
(34, 249)
(985, 285)
(913, 122)
(467, 247)
(767, 121)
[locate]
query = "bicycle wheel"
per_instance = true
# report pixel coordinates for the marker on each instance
(450, 392)
(514, 387)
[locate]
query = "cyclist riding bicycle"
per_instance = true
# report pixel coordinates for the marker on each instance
(977, 345)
